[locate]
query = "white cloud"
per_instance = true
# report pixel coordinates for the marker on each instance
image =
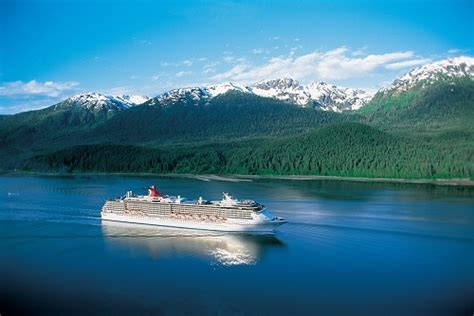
(336, 64)
(119, 90)
(210, 67)
(228, 58)
(35, 88)
(408, 63)
(453, 51)
(183, 73)
(257, 51)
(234, 72)
(187, 62)
(22, 107)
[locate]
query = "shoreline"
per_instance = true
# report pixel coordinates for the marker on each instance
(241, 178)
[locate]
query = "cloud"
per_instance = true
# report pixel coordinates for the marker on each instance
(183, 73)
(228, 58)
(336, 64)
(257, 51)
(187, 62)
(408, 63)
(233, 73)
(24, 106)
(35, 88)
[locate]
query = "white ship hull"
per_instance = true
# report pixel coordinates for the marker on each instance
(249, 226)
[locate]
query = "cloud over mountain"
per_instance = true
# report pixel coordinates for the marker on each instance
(336, 64)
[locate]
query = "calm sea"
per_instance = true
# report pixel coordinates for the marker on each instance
(348, 249)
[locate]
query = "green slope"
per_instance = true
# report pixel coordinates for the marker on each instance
(346, 149)
(227, 117)
(233, 115)
(445, 106)
(425, 133)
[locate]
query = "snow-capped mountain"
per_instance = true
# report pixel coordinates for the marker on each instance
(337, 99)
(320, 94)
(285, 89)
(96, 101)
(430, 73)
(218, 89)
(193, 94)
(317, 94)
(196, 94)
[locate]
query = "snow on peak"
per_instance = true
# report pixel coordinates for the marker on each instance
(337, 99)
(183, 94)
(218, 89)
(284, 83)
(318, 94)
(97, 101)
(285, 89)
(132, 100)
(447, 68)
(198, 93)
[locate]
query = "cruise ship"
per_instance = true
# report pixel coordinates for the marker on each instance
(228, 214)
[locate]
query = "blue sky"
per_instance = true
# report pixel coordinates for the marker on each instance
(53, 49)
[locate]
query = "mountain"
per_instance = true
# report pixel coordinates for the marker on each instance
(337, 99)
(195, 95)
(318, 94)
(288, 90)
(444, 70)
(450, 80)
(420, 126)
(232, 115)
(60, 124)
(99, 102)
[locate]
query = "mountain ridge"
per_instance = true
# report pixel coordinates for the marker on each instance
(317, 94)
(97, 101)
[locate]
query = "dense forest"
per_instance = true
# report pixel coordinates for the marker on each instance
(426, 132)
(346, 149)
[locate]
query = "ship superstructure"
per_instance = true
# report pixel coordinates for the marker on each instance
(228, 214)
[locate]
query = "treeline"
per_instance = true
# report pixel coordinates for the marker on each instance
(346, 149)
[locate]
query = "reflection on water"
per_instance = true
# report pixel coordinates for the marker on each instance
(221, 248)
(349, 248)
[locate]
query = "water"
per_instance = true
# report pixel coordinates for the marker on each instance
(348, 249)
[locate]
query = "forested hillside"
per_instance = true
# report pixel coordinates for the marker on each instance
(442, 107)
(347, 149)
(425, 132)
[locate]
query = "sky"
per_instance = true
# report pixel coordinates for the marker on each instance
(52, 49)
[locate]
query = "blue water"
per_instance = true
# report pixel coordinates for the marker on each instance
(348, 249)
